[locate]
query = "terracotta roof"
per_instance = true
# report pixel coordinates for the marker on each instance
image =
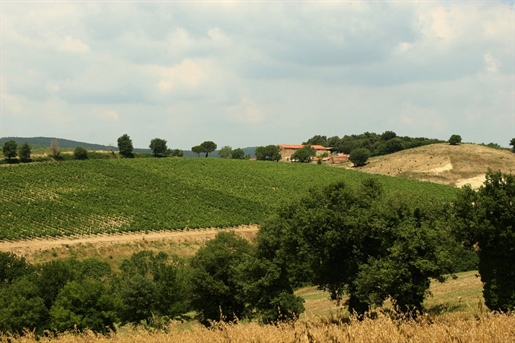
(299, 146)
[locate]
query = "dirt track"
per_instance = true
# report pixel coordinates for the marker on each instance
(27, 246)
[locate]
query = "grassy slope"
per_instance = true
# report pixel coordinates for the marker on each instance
(98, 196)
(444, 163)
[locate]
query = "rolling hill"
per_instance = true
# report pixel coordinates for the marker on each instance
(454, 165)
(128, 195)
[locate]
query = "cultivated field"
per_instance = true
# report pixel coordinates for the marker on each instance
(76, 198)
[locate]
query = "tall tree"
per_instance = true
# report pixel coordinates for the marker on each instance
(10, 149)
(25, 151)
(486, 220)
(158, 147)
(208, 146)
(512, 143)
(359, 156)
(125, 145)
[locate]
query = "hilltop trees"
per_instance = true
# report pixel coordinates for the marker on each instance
(158, 147)
(455, 140)
(486, 219)
(512, 143)
(268, 153)
(238, 154)
(207, 147)
(125, 145)
(10, 149)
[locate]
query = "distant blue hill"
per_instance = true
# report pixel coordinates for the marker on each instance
(70, 144)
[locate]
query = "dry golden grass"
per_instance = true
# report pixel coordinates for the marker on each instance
(489, 328)
(443, 163)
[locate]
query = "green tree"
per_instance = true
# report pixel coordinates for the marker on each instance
(22, 308)
(158, 147)
(304, 154)
(177, 153)
(197, 149)
(125, 145)
(359, 156)
(238, 154)
(268, 153)
(216, 292)
(84, 305)
(25, 151)
(387, 135)
(486, 219)
(13, 267)
(512, 143)
(207, 147)
(317, 140)
(138, 296)
(362, 242)
(80, 153)
(10, 149)
(225, 152)
(393, 145)
(455, 140)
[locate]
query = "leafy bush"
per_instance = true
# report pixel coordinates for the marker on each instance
(359, 157)
(80, 153)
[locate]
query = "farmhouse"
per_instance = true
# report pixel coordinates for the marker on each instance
(329, 154)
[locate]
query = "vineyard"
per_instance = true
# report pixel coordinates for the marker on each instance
(127, 195)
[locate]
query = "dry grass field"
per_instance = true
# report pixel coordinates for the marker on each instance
(486, 328)
(443, 163)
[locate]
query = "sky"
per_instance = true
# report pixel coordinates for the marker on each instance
(250, 73)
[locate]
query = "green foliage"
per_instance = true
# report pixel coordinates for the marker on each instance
(387, 135)
(10, 149)
(363, 242)
(268, 153)
(238, 154)
(317, 140)
(225, 152)
(359, 157)
(304, 154)
(455, 140)
(197, 149)
(158, 147)
(177, 153)
(393, 145)
(80, 153)
(215, 288)
(21, 307)
(487, 218)
(81, 305)
(12, 267)
(512, 143)
(125, 145)
(24, 152)
(207, 147)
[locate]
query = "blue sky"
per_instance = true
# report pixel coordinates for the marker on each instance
(256, 73)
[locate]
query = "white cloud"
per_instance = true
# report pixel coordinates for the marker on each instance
(73, 45)
(188, 75)
(492, 64)
(247, 111)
